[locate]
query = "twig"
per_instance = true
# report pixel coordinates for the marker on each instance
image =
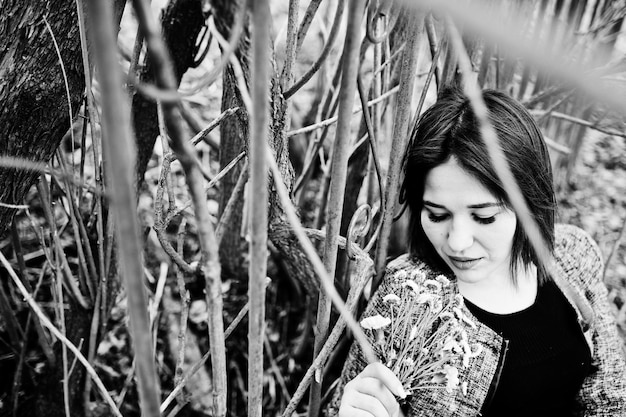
(184, 315)
(274, 366)
(65, 82)
(333, 120)
(235, 195)
(202, 135)
(290, 53)
(372, 138)
(309, 14)
(579, 121)
(60, 311)
(47, 323)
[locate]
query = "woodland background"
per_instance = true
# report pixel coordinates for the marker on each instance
(141, 235)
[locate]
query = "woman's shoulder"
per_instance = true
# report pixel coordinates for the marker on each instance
(576, 252)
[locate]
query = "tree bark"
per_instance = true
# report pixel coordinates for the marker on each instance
(34, 116)
(234, 135)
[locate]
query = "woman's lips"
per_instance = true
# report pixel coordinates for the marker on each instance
(463, 263)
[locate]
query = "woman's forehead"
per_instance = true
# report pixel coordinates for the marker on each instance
(450, 184)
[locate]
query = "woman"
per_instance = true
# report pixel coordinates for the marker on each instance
(548, 347)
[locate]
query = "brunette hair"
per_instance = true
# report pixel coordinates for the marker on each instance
(450, 128)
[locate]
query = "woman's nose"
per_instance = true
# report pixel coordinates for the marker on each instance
(460, 236)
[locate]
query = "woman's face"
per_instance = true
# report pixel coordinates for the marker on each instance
(470, 230)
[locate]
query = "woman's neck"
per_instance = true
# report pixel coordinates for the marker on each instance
(503, 296)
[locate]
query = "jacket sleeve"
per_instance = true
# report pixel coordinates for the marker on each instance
(604, 391)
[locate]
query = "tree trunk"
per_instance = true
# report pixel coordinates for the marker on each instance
(234, 136)
(34, 116)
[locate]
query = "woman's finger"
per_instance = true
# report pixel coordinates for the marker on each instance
(386, 376)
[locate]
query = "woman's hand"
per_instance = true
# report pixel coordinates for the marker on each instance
(371, 393)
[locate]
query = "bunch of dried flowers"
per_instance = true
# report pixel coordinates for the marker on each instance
(420, 334)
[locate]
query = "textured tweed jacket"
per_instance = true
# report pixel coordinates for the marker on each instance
(579, 265)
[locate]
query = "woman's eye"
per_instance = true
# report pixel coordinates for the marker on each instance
(485, 220)
(436, 218)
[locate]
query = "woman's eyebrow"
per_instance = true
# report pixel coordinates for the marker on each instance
(472, 206)
(433, 205)
(484, 205)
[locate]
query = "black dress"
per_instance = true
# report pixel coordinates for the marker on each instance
(546, 361)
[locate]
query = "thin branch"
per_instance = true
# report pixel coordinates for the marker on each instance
(202, 135)
(579, 121)
(229, 209)
(65, 82)
(309, 14)
(333, 120)
(290, 53)
(372, 138)
(258, 210)
(120, 161)
(184, 301)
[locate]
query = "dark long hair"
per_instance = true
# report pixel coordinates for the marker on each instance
(450, 128)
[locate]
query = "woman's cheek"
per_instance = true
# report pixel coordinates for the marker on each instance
(431, 230)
